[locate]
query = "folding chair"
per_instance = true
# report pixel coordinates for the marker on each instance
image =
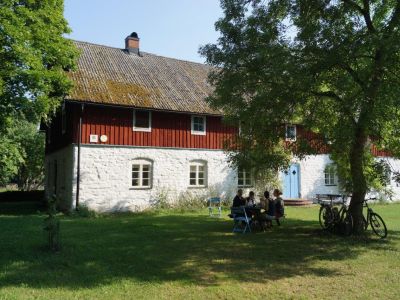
(241, 222)
(214, 202)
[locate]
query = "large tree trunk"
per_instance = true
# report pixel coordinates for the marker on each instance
(358, 179)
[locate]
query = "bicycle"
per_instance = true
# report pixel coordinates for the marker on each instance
(377, 224)
(333, 219)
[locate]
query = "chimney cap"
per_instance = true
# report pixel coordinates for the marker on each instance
(134, 35)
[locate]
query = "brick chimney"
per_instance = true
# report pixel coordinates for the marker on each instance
(132, 43)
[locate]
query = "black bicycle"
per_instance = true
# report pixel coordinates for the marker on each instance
(377, 224)
(336, 219)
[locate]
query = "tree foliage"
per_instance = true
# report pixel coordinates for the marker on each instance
(22, 156)
(34, 55)
(10, 159)
(331, 65)
(31, 142)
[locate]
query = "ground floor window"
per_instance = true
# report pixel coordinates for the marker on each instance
(244, 178)
(141, 173)
(198, 174)
(330, 174)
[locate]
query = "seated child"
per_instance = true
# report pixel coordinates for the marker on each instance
(279, 206)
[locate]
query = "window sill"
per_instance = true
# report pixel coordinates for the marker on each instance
(330, 184)
(141, 188)
(197, 186)
(141, 129)
(198, 132)
(245, 186)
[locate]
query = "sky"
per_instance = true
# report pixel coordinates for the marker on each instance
(172, 28)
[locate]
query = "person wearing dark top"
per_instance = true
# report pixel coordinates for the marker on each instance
(279, 206)
(239, 200)
(269, 207)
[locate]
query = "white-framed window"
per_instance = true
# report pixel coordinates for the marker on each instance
(290, 133)
(330, 174)
(141, 120)
(63, 119)
(198, 174)
(245, 178)
(198, 125)
(142, 170)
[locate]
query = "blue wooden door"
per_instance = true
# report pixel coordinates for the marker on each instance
(291, 182)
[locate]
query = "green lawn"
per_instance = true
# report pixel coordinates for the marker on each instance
(172, 255)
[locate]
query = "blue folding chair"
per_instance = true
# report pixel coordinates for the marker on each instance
(241, 222)
(214, 203)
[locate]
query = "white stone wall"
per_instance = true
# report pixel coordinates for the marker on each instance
(394, 186)
(106, 176)
(312, 176)
(64, 159)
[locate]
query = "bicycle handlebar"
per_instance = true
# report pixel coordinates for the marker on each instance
(367, 199)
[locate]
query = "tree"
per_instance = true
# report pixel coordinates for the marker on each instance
(30, 175)
(22, 156)
(331, 65)
(10, 159)
(34, 56)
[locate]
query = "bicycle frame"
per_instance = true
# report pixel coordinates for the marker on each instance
(369, 212)
(339, 213)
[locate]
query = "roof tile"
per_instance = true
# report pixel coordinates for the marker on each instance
(113, 76)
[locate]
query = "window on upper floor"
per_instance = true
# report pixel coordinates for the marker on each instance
(330, 174)
(142, 173)
(198, 174)
(198, 125)
(245, 178)
(290, 133)
(141, 120)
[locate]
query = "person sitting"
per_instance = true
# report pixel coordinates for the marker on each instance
(250, 200)
(269, 206)
(239, 200)
(279, 206)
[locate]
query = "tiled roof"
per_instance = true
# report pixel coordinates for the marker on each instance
(113, 76)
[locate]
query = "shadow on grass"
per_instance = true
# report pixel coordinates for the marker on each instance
(21, 208)
(189, 248)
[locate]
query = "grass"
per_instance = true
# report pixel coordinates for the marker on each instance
(174, 255)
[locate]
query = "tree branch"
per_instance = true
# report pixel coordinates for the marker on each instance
(329, 94)
(364, 11)
(354, 75)
(333, 95)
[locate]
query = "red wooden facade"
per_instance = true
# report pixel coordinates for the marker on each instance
(168, 129)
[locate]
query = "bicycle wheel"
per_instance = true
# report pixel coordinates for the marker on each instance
(365, 223)
(346, 223)
(378, 226)
(325, 217)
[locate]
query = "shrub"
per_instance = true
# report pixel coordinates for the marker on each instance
(161, 200)
(83, 211)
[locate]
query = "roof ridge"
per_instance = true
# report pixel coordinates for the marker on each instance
(144, 52)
